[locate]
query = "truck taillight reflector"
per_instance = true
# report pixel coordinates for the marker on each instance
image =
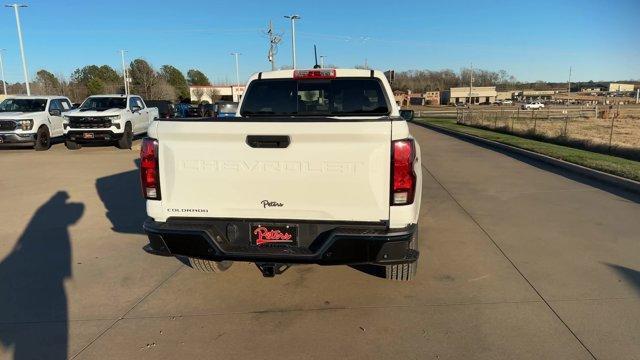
(149, 174)
(314, 74)
(403, 187)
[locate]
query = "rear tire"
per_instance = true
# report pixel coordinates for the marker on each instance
(126, 140)
(403, 272)
(209, 266)
(43, 140)
(72, 145)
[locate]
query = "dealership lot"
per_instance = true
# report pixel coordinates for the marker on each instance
(517, 261)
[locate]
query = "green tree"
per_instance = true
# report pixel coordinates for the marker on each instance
(95, 79)
(197, 77)
(143, 78)
(95, 86)
(176, 79)
(48, 83)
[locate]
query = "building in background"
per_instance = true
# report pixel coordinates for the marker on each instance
(505, 95)
(618, 87)
(475, 95)
(430, 98)
(213, 93)
(591, 90)
(535, 95)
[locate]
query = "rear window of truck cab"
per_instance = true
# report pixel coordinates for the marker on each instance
(315, 97)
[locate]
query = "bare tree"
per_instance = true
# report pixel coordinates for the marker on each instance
(212, 94)
(198, 93)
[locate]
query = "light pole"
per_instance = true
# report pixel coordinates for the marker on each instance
(4, 83)
(293, 19)
(124, 73)
(470, 85)
(322, 61)
(24, 60)
(236, 54)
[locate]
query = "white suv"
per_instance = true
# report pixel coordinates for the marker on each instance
(533, 106)
(32, 120)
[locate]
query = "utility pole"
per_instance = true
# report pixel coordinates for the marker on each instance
(366, 64)
(24, 60)
(293, 19)
(124, 73)
(274, 40)
(569, 86)
(4, 83)
(322, 61)
(470, 84)
(236, 54)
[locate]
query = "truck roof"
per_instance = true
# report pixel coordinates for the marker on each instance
(288, 74)
(112, 95)
(47, 97)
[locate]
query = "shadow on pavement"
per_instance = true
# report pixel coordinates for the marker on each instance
(121, 196)
(632, 276)
(32, 283)
(553, 169)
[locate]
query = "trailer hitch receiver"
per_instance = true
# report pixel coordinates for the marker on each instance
(272, 269)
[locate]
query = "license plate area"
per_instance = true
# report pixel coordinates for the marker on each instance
(274, 235)
(88, 135)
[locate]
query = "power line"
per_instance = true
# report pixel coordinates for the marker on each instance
(274, 40)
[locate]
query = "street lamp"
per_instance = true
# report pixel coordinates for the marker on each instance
(293, 19)
(236, 54)
(24, 61)
(4, 83)
(124, 73)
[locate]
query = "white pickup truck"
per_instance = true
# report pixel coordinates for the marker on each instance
(317, 167)
(108, 118)
(32, 120)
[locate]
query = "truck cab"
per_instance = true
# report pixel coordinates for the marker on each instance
(32, 120)
(108, 119)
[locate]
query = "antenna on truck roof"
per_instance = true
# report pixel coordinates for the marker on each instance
(315, 53)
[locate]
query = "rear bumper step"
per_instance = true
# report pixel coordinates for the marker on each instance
(319, 243)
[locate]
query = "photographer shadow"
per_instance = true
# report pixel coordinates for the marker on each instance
(32, 280)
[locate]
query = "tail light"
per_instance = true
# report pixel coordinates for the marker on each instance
(149, 173)
(403, 186)
(314, 74)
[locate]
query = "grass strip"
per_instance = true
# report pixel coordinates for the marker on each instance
(606, 163)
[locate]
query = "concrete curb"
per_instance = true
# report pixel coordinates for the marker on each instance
(609, 179)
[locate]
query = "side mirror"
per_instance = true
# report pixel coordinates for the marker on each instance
(55, 112)
(406, 114)
(135, 108)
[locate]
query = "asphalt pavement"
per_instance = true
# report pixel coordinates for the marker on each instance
(518, 261)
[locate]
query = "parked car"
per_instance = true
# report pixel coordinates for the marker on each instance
(533, 106)
(108, 118)
(504, 102)
(166, 109)
(225, 109)
(32, 120)
(280, 187)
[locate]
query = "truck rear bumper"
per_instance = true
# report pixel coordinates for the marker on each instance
(319, 243)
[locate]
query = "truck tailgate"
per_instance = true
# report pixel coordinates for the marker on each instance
(333, 170)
